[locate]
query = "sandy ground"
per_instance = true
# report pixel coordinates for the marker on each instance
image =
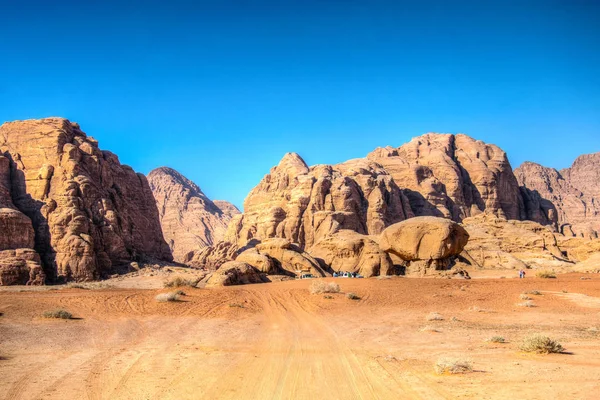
(277, 341)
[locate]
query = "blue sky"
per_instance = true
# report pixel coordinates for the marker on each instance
(221, 90)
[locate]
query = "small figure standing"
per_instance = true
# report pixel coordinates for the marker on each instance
(521, 274)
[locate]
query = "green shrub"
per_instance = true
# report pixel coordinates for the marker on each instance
(448, 365)
(496, 339)
(352, 296)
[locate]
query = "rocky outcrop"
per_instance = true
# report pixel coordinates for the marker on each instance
(189, 220)
(304, 204)
(453, 176)
(234, 273)
(350, 251)
(212, 257)
(425, 243)
(569, 199)
(88, 212)
(509, 244)
(280, 256)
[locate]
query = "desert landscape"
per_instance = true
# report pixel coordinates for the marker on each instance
(118, 286)
(303, 200)
(278, 340)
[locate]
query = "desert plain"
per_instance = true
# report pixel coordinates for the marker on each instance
(279, 341)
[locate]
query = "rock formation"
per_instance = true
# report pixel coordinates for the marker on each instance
(212, 257)
(425, 243)
(304, 204)
(88, 212)
(570, 199)
(19, 263)
(350, 251)
(189, 220)
(234, 273)
(453, 176)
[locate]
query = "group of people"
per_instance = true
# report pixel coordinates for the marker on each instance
(522, 274)
(346, 274)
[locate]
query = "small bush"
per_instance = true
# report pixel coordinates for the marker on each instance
(447, 365)
(328, 297)
(546, 274)
(534, 292)
(352, 296)
(523, 296)
(165, 297)
(497, 339)
(179, 281)
(540, 344)
(527, 303)
(75, 285)
(434, 317)
(318, 287)
(236, 305)
(59, 313)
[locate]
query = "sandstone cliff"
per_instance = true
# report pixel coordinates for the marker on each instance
(304, 204)
(570, 198)
(189, 220)
(88, 212)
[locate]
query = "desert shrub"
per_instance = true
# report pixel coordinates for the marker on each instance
(75, 285)
(534, 292)
(527, 303)
(540, 344)
(328, 297)
(546, 274)
(523, 296)
(317, 287)
(165, 297)
(352, 296)
(429, 328)
(58, 313)
(497, 339)
(434, 317)
(238, 305)
(179, 281)
(448, 365)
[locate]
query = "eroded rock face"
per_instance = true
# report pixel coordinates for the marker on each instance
(304, 204)
(88, 211)
(425, 242)
(234, 273)
(508, 244)
(453, 176)
(189, 220)
(212, 257)
(350, 251)
(570, 199)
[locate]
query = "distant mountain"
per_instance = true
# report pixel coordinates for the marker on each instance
(189, 220)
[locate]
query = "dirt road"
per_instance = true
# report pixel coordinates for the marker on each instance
(276, 341)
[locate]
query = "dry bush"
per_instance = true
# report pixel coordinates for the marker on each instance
(434, 317)
(497, 339)
(165, 297)
(352, 296)
(527, 303)
(546, 274)
(448, 365)
(540, 344)
(429, 328)
(523, 296)
(58, 313)
(179, 281)
(481, 310)
(318, 287)
(534, 292)
(238, 305)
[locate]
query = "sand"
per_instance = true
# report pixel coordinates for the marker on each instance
(278, 341)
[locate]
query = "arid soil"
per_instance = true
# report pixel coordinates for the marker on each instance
(278, 341)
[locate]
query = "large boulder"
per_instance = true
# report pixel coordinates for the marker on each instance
(189, 220)
(212, 257)
(234, 273)
(425, 242)
(288, 257)
(88, 212)
(21, 267)
(352, 252)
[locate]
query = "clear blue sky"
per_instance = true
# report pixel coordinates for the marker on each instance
(221, 92)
